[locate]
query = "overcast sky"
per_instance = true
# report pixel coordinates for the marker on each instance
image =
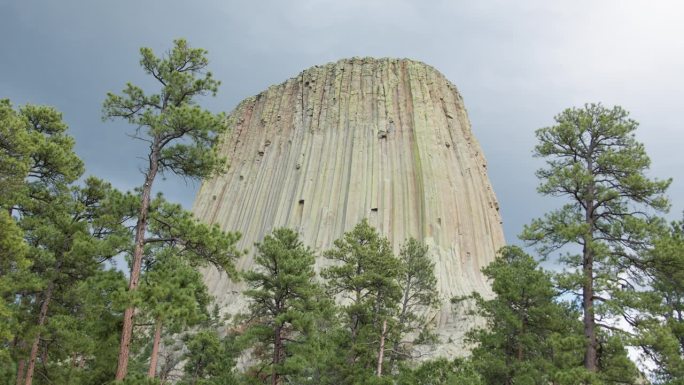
(516, 63)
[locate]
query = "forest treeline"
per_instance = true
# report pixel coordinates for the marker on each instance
(68, 315)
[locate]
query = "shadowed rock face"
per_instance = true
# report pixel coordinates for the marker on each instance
(383, 139)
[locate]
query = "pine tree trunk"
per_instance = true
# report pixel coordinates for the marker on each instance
(195, 375)
(277, 350)
(155, 349)
(520, 352)
(41, 321)
(140, 229)
(401, 325)
(20, 371)
(354, 324)
(19, 346)
(590, 356)
(381, 352)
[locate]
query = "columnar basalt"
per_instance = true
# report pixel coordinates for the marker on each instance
(383, 139)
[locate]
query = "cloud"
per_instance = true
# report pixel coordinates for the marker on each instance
(517, 64)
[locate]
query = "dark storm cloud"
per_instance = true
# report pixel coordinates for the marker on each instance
(516, 63)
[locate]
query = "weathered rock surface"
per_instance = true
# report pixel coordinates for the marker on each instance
(385, 139)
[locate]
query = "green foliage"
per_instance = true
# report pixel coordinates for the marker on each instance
(36, 158)
(35, 152)
(594, 161)
(524, 325)
(69, 238)
(210, 359)
(172, 295)
(593, 157)
(182, 135)
(183, 140)
(532, 338)
(419, 295)
(440, 372)
(365, 276)
(98, 300)
(13, 265)
(171, 298)
(199, 244)
(54, 237)
(138, 379)
(15, 152)
(659, 323)
(53, 160)
(285, 302)
(82, 332)
(172, 292)
(63, 308)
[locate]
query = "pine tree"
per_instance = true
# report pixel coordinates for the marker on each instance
(14, 168)
(660, 322)
(284, 303)
(98, 310)
(172, 296)
(181, 137)
(35, 152)
(210, 359)
(175, 237)
(364, 276)
(36, 155)
(199, 244)
(440, 372)
(419, 296)
(69, 236)
(80, 339)
(594, 161)
(525, 327)
(60, 233)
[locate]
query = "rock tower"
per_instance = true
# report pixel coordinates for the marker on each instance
(383, 139)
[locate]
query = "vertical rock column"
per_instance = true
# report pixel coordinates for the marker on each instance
(383, 139)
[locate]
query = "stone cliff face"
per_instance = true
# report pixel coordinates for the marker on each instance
(383, 139)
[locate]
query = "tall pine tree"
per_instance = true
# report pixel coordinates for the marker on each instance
(70, 231)
(594, 162)
(36, 157)
(419, 297)
(364, 275)
(181, 137)
(284, 303)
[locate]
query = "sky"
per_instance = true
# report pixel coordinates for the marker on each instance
(517, 64)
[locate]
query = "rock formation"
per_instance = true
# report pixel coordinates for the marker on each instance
(384, 139)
